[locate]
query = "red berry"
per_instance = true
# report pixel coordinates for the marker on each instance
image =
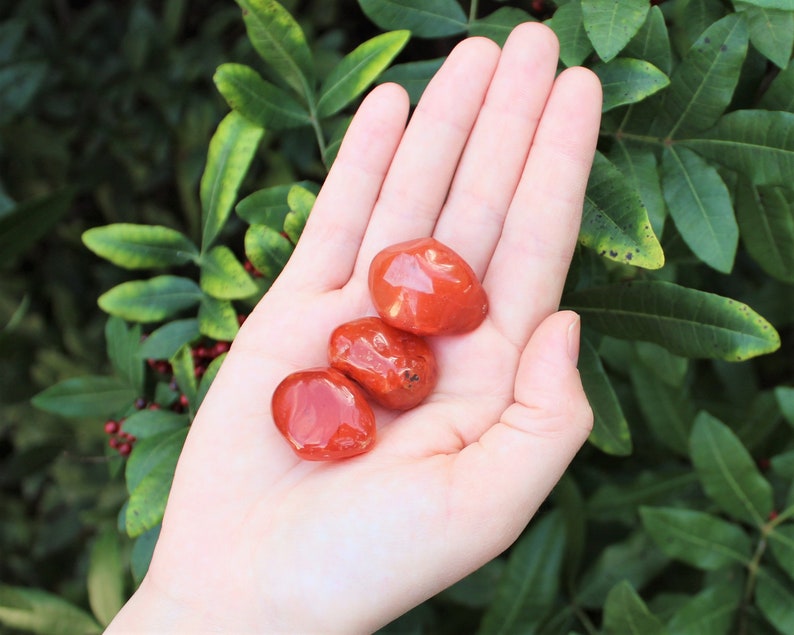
(220, 348)
(241, 319)
(113, 442)
(111, 427)
(125, 448)
(154, 406)
(183, 401)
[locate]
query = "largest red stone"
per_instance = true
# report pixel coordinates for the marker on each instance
(424, 287)
(323, 415)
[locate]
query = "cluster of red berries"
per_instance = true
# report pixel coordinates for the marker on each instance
(119, 440)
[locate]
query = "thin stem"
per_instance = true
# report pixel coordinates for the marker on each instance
(473, 11)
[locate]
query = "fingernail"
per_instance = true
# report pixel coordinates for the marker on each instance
(574, 329)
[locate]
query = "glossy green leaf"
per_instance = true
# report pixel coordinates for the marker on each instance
(702, 85)
(758, 144)
(615, 223)
(26, 223)
(141, 554)
(626, 614)
(259, 101)
(697, 538)
(783, 5)
(499, 24)
(122, 348)
(477, 590)
(610, 429)
(185, 372)
(133, 246)
(150, 300)
(301, 201)
(223, 276)
(710, 612)
(206, 380)
(413, 76)
(568, 499)
(280, 42)
(165, 341)
(781, 543)
(568, 24)
(358, 70)
(687, 322)
(89, 396)
(610, 24)
(106, 577)
(728, 473)
(37, 611)
(700, 205)
(671, 369)
(268, 206)
(652, 43)
(218, 319)
(149, 473)
(530, 582)
(779, 95)
(784, 395)
(424, 18)
(335, 141)
(639, 166)
(148, 423)
(627, 80)
(267, 250)
(775, 598)
(231, 151)
(692, 18)
(771, 31)
(766, 222)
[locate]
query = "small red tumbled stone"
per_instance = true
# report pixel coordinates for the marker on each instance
(323, 415)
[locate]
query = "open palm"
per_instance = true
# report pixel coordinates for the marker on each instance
(493, 163)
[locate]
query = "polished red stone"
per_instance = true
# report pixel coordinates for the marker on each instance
(397, 369)
(323, 415)
(424, 287)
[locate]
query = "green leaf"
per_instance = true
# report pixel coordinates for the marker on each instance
(37, 611)
(231, 151)
(771, 31)
(477, 590)
(218, 319)
(106, 577)
(784, 395)
(687, 322)
(499, 24)
(122, 347)
(335, 140)
(530, 582)
(141, 555)
(758, 144)
(140, 246)
(781, 543)
(280, 42)
(615, 223)
(639, 166)
(19, 83)
(165, 341)
(702, 85)
(626, 81)
(268, 206)
(424, 18)
(185, 372)
(568, 24)
(728, 473)
(710, 612)
(697, 538)
(267, 250)
(357, 70)
(223, 277)
(150, 300)
(301, 201)
(700, 205)
(149, 473)
(783, 5)
(775, 598)
(207, 379)
(610, 24)
(652, 43)
(671, 369)
(148, 423)
(413, 76)
(26, 223)
(610, 429)
(259, 101)
(626, 614)
(766, 222)
(779, 95)
(567, 498)
(89, 396)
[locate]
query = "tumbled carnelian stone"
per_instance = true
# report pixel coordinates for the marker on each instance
(323, 415)
(397, 369)
(424, 287)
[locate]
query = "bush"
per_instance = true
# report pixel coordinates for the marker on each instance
(677, 516)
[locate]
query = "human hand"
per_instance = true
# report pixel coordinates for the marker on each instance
(494, 163)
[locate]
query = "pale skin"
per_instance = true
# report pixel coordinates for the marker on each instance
(494, 163)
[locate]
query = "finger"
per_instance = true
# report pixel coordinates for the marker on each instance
(418, 181)
(499, 481)
(496, 152)
(528, 269)
(326, 252)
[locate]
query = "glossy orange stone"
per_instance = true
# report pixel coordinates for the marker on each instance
(323, 415)
(397, 369)
(424, 287)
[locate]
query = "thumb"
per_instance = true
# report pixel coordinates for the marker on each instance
(510, 471)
